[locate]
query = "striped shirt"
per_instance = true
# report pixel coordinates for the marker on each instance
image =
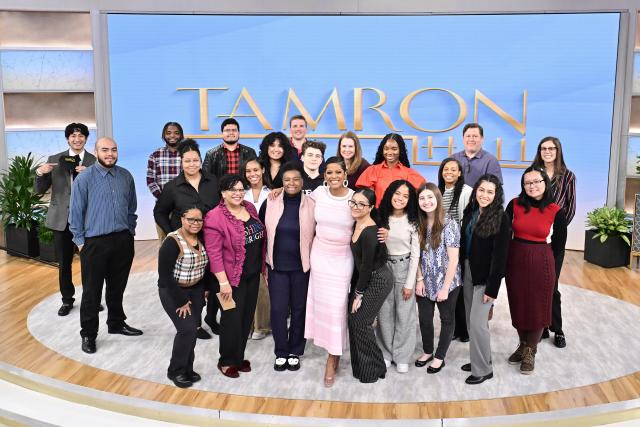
(563, 188)
(447, 198)
(163, 165)
(103, 201)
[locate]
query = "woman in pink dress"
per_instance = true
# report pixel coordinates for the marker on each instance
(331, 266)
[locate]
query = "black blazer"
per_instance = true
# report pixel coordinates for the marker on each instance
(488, 256)
(178, 194)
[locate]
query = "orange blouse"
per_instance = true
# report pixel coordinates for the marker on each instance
(378, 177)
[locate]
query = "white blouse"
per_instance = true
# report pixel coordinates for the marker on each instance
(403, 239)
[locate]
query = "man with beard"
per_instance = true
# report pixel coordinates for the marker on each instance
(226, 158)
(164, 163)
(58, 174)
(102, 219)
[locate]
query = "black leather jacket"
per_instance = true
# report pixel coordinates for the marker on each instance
(215, 161)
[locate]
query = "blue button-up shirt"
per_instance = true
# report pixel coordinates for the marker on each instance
(473, 168)
(103, 201)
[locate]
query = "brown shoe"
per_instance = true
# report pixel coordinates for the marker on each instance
(528, 361)
(516, 357)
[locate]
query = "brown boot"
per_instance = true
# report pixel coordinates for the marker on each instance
(516, 357)
(528, 360)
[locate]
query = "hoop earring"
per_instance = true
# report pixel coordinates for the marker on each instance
(325, 183)
(345, 183)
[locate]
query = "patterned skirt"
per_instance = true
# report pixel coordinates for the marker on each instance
(530, 280)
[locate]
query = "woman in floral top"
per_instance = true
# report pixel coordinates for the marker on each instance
(438, 282)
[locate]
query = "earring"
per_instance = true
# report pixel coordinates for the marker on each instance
(345, 183)
(325, 183)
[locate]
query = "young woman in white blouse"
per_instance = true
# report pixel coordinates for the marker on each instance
(396, 332)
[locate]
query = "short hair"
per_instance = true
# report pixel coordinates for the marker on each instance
(187, 145)
(473, 126)
(297, 117)
(227, 182)
(229, 121)
(293, 165)
(76, 127)
(318, 145)
(175, 124)
(337, 161)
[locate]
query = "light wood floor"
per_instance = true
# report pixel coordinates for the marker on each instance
(23, 283)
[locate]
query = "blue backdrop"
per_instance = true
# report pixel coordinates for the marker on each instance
(564, 62)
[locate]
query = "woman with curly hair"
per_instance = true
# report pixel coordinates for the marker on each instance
(391, 164)
(275, 151)
(484, 243)
(439, 276)
(396, 333)
(534, 262)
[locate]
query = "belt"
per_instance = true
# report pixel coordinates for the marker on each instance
(404, 258)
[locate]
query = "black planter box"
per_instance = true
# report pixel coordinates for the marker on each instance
(21, 242)
(614, 252)
(47, 252)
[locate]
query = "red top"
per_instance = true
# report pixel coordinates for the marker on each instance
(378, 177)
(233, 161)
(534, 225)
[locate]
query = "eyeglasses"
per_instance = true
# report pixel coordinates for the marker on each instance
(237, 190)
(548, 148)
(357, 205)
(193, 221)
(532, 183)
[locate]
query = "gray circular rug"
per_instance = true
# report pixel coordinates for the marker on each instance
(601, 334)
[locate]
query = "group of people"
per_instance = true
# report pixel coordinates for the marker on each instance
(336, 250)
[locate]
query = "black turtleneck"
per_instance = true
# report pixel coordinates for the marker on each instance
(286, 248)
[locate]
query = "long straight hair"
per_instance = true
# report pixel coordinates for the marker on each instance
(438, 220)
(357, 155)
(559, 167)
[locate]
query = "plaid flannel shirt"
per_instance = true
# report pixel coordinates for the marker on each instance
(162, 167)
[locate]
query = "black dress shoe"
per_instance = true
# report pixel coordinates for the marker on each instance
(65, 309)
(125, 329)
(432, 370)
(421, 363)
(478, 380)
(88, 345)
(202, 334)
(464, 339)
(194, 377)
(466, 367)
(545, 334)
(559, 340)
(100, 307)
(180, 380)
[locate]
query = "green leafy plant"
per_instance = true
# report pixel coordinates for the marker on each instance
(45, 234)
(20, 205)
(608, 222)
(638, 165)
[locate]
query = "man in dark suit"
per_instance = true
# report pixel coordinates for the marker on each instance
(57, 174)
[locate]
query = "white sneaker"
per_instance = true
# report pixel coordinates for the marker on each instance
(402, 368)
(257, 335)
(387, 363)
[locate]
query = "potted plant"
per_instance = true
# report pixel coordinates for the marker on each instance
(607, 236)
(45, 241)
(20, 206)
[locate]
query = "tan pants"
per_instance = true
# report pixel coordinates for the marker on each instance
(161, 234)
(262, 318)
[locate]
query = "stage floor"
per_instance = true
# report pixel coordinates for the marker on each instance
(600, 365)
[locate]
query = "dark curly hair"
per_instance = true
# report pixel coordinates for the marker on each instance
(264, 158)
(490, 221)
(385, 210)
(457, 188)
(187, 145)
(547, 198)
(404, 157)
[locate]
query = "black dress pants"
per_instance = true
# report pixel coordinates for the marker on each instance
(235, 323)
(184, 343)
(288, 294)
(104, 259)
(426, 309)
(62, 241)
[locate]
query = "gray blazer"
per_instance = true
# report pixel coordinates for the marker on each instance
(59, 181)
